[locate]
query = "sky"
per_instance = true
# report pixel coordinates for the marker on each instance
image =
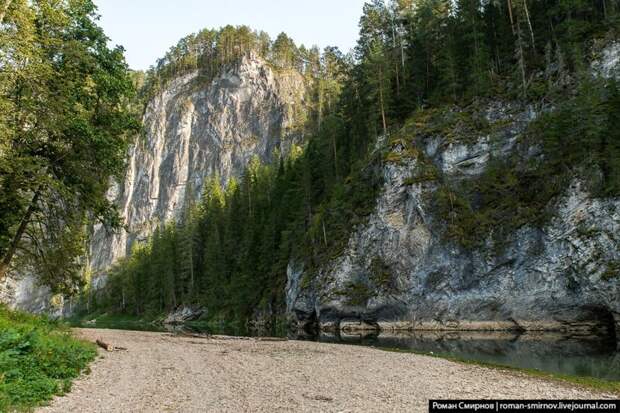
(147, 28)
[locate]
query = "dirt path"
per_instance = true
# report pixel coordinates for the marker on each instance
(162, 373)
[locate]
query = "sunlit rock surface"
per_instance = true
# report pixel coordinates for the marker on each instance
(196, 129)
(193, 129)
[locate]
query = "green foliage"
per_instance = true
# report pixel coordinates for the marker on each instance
(356, 293)
(209, 51)
(452, 123)
(578, 138)
(584, 131)
(38, 360)
(611, 271)
(425, 171)
(495, 204)
(243, 238)
(381, 276)
(64, 128)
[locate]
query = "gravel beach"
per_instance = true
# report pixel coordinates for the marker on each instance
(163, 373)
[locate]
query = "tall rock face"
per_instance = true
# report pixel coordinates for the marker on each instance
(196, 129)
(399, 273)
(193, 129)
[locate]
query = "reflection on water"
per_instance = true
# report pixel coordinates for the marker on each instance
(229, 329)
(551, 352)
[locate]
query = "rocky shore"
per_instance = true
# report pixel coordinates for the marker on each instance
(161, 372)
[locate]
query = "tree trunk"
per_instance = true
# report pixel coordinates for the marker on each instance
(104, 345)
(512, 22)
(324, 234)
(8, 257)
(529, 23)
(320, 108)
(497, 54)
(382, 103)
(397, 80)
(521, 60)
(335, 154)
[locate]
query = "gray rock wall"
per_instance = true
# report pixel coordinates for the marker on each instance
(196, 130)
(554, 278)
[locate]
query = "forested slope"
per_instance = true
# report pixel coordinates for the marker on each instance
(514, 78)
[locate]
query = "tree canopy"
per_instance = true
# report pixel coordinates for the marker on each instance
(64, 131)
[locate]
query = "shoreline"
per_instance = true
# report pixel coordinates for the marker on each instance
(585, 382)
(162, 372)
(354, 325)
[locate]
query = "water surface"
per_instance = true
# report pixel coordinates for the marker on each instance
(588, 356)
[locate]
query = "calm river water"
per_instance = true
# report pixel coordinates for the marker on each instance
(557, 353)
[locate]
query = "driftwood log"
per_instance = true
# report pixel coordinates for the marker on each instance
(108, 347)
(105, 346)
(271, 339)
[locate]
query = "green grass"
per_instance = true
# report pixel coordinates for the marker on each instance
(586, 382)
(38, 360)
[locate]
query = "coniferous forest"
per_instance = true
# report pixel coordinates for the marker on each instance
(414, 62)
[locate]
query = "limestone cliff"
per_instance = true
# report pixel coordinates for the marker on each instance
(193, 131)
(562, 276)
(549, 278)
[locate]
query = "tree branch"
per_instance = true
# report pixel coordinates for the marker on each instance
(4, 9)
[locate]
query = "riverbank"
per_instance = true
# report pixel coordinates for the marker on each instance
(38, 359)
(161, 372)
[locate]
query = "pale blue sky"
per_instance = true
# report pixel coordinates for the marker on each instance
(147, 28)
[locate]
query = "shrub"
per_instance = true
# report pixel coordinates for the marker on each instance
(38, 359)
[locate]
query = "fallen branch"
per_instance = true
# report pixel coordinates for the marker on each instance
(250, 338)
(105, 346)
(220, 337)
(194, 335)
(109, 347)
(197, 335)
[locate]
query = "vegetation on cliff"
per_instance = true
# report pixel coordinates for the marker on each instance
(230, 251)
(579, 137)
(38, 359)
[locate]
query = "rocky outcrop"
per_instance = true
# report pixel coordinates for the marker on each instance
(196, 129)
(607, 63)
(24, 292)
(564, 276)
(184, 314)
(559, 277)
